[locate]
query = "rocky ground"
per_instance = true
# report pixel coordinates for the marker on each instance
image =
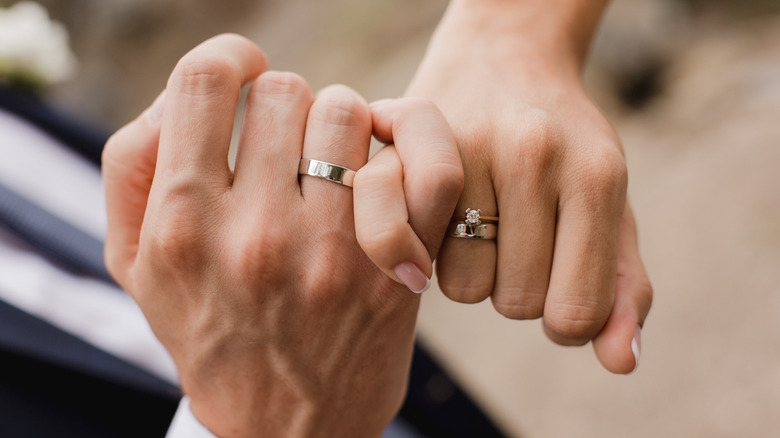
(692, 88)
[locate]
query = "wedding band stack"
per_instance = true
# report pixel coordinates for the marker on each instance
(473, 226)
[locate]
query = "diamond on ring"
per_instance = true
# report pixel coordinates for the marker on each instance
(472, 217)
(473, 225)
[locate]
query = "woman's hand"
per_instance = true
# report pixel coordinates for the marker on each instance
(537, 152)
(253, 279)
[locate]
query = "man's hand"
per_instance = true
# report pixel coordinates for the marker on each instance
(538, 152)
(253, 279)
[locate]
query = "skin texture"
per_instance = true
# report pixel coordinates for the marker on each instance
(537, 152)
(253, 279)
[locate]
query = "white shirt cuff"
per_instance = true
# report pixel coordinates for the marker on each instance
(185, 425)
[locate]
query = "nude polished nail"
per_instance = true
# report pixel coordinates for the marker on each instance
(412, 277)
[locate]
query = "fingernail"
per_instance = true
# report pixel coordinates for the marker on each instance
(636, 347)
(412, 277)
(155, 112)
(378, 103)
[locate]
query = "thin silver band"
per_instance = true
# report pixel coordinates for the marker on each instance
(328, 171)
(465, 231)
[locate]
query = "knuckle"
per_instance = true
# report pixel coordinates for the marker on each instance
(324, 279)
(281, 85)
(536, 158)
(257, 258)
(174, 242)
(536, 152)
(445, 180)
(230, 39)
(540, 141)
(386, 170)
(179, 228)
(539, 130)
(186, 191)
(518, 304)
(205, 75)
(341, 106)
(644, 293)
(118, 148)
(110, 156)
(603, 174)
(329, 277)
(469, 292)
(574, 323)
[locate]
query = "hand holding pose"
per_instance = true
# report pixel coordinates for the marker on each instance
(538, 154)
(253, 279)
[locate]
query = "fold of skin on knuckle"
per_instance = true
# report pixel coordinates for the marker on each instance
(519, 303)
(206, 75)
(284, 86)
(534, 155)
(372, 177)
(476, 151)
(538, 154)
(599, 179)
(576, 322)
(172, 244)
(256, 257)
(444, 179)
(120, 149)
(469, 292)
(179, 223)
(339, 105)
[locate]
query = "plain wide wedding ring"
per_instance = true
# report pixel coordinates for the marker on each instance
(329, 171)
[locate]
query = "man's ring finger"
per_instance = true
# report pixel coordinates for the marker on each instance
(331, 172)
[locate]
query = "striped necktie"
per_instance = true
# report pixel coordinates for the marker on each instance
(60, 241)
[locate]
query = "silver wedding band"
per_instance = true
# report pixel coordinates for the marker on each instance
(466, 231)
(329, 171)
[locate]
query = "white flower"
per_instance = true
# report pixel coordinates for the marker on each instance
(33, 49)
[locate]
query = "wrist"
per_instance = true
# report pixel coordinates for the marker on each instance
(550, 32)
(287, 416)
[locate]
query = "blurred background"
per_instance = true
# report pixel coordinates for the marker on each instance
(693, 88)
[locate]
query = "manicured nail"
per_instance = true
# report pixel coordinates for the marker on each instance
(412, 277)
(636, 347)
(155, 112)
(378, 103)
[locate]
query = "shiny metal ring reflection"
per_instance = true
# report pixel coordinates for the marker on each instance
(465, 231)
(328, 171)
